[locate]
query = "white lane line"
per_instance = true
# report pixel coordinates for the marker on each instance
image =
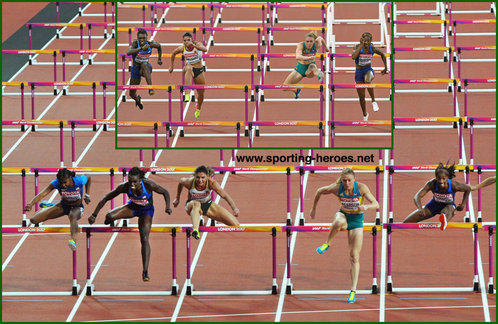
(283, 285)
(181, 298)
(209, 316)
(383, 260)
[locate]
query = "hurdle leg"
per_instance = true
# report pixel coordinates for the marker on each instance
(190, 287)
(89, 285)
(476, 278)
(288, 289)
(491, 261)
(274, 288)
(389, 274)
(374, 261)
(174, 286)
(76, 286)
(23, 178)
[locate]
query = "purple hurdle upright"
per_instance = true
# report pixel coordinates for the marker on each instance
(288, 197)
(61, 142)
(189, 284)
(174, 288)
(491, 259)
(111, 176)
(479, 195)
(476, 278)
(22, 104)
(24, 222)
(274, 288)
(288, 289)
(391, 171)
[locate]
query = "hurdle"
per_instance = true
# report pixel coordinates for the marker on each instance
(458, 57)
(440, 34)
(467, 90)
(452, 83)
(334, 123)
(168, 125)
(33, 123)
(319, 87)
(334, 87)
(270, 30)
(80, 25)
(44, 230)
(419, 168)
(337, 169)
(438, 11)
(431, 226)
(332, 20)
(154, 124)
(471, 121)
(90, 286)
(471, 21)
(446, 50)
(321, 228)
(315, 123)
(235, 229)
(81, 13)
(455, 122)
(63, 52)
(65, 85)
(491, 227)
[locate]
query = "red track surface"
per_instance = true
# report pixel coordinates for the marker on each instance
(242, 261)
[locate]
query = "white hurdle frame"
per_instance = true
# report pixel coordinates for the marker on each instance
(439, 11)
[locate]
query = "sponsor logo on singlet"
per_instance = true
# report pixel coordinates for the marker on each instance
(445, 198)
(140, 201)
(70, 195)
(365, 59)
(350, 203)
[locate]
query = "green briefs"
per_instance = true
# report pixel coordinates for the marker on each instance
(354, 220)
(302, 68)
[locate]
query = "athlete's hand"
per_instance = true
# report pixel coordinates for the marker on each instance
(312, 213)
(176, 202)
(236, 212)
(91, 219)
(145, 47)
(362, 208)
(362, 41)
(460, 207)
(384, 71)
(171, 71)
(168, 211)
(159, 61)
(28, 207)
(87, 199)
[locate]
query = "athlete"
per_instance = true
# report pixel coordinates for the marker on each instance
(349, 217)
(306, 66)
(141, 49)
(70, 187)
(193, 69)
(364, 74)
(199, 201)
(139, 190)
(443, 203)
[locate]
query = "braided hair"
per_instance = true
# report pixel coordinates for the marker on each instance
(448, 168)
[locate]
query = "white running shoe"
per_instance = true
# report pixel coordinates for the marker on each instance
(320, 76)
(365, 118)
(375, 106)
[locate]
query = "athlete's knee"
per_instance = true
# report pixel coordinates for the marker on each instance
(354, 257)
(339, 223)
